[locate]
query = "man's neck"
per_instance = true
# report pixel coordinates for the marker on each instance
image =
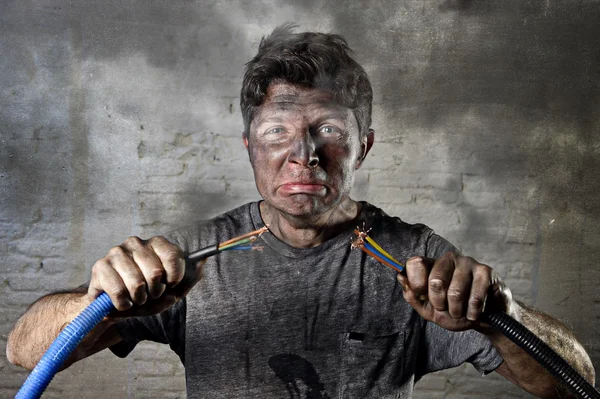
(301, 232)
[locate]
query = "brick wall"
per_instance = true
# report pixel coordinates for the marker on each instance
(123, 118)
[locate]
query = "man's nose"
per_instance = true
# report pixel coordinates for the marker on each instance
(304, 151)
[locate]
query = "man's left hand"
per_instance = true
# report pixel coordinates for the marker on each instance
(452, 291)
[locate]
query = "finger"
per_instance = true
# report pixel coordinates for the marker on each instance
(403, 280)
(122, 262)
(417, 273)
(94, 288)
(439, 281)
(193, 274)
(149, 265)
(106, 279)
(479, 289)
(171, 257)
(152, 306)
(459, 291)
(199, 269)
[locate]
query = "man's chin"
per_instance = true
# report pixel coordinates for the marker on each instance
(302, 206)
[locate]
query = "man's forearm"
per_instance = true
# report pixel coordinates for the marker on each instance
(35, 331)
(523, 370)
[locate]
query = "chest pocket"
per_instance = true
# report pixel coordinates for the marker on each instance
(372, 362)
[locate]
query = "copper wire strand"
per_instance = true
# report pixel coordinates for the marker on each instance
(381, 250)
(248, 240)
(359, 242)
(386, 263)
(256, 233)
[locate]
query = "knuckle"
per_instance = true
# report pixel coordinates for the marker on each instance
(455, 294)
(416, 261)
(476, 300)
(133, 242)
(138, 286)
(474, 265)
(484, 270)
(470, 260)
(100, 266)
(436, 285)
(116, 252)
(176, 276)
(418, 285)
(165, 249)
(171, 257)
(157, 240)
(450, 255)
(139, 292)
(438, 318)
(154, 275)
(114, 291)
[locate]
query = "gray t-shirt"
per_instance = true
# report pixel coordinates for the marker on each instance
(323, 322)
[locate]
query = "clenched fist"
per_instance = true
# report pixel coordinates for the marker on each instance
(144, 277)
(452, 291)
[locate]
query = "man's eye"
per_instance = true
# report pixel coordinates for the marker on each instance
(328, 129)
(276, 130)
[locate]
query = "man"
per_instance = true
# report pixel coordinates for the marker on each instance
(307, 316)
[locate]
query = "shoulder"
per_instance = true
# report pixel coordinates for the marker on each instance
(202, 233)
(408, 239)
(378, 220)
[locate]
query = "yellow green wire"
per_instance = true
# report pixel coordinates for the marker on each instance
(383, 252)
(236, 243)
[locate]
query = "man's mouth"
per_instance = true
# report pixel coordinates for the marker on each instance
(302, 188)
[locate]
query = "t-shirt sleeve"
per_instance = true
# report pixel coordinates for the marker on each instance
(437, 246)
(441, 349)
(167, 327)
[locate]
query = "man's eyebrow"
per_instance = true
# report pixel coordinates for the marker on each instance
(336, 112)
(290, 98)
(275, 115)
(270, 118)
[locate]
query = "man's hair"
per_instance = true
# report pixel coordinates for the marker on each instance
(307, 59)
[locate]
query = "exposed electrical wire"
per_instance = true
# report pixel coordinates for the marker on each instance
(371, 248)
(236, 243)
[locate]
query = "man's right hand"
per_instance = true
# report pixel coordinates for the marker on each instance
(143, 277)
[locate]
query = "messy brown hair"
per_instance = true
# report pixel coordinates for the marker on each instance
(307, 59)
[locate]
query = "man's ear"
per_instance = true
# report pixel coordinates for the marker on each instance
(365, 146)
(245, 139)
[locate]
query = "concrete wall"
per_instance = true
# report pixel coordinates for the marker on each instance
(122, 118)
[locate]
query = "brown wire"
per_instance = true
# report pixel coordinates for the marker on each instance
(247, 235)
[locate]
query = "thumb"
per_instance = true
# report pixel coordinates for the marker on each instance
(417, 302)
(200, 269)
(499, 297)
(194, 272)
(406, 290)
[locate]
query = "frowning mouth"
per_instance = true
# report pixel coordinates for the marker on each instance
(302, 188)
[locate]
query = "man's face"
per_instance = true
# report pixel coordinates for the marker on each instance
(304, 150)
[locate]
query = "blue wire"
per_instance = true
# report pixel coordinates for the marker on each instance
(239, 248)
(62, 347)
(376, 252)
